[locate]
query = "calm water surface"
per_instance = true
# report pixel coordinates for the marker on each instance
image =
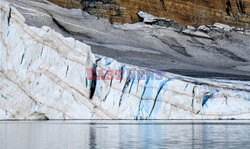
(124, 134)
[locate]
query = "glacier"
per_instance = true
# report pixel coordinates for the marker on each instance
(43, 75)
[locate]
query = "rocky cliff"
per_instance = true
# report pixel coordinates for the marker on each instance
(46, 75)
(187, 12)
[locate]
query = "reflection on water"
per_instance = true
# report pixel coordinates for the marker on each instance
(125, 134)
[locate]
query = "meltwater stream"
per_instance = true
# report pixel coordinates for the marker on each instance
(123, 134)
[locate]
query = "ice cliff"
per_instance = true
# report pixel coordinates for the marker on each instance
(44, 75)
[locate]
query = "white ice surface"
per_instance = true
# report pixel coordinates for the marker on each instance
(43, 72)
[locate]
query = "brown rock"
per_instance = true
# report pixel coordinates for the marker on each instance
(187, 12)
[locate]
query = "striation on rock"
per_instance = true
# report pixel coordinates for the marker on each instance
(44, 73)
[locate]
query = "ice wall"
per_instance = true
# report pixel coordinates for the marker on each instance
(44, 75)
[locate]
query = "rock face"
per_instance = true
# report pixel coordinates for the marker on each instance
(44, 75)
(195, 12)
(108, 9)
(187, 12)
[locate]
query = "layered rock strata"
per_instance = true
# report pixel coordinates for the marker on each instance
(187, 12)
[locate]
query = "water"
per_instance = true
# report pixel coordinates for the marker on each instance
(124, 134)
